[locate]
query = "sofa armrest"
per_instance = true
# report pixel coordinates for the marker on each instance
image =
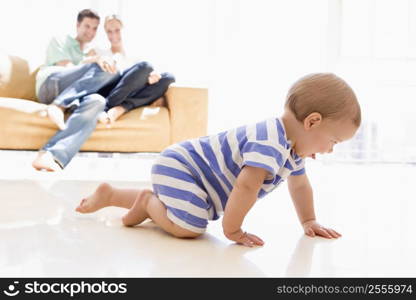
(17, 77)
(188, 108)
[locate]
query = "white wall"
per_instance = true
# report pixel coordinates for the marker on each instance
(27, 25)
(259, 49)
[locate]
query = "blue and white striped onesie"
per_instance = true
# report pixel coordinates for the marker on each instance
(194, 178)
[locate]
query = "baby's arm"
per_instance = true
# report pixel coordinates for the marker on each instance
(302, 196)
(242, 198)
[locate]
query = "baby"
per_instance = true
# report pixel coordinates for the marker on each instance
(200, 179)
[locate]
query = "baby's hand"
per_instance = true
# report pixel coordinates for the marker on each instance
(313, 228)
(244, 238)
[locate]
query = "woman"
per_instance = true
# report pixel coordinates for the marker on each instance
(138, 85)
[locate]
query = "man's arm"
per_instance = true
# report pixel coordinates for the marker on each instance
(242, 198)
(302, 196)
(105, 64)
(58, 55)
(64, 63)
(86, 60)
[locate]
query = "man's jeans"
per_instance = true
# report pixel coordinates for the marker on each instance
(132, 89)
(66, 87)
(75, 88)
(65, 144)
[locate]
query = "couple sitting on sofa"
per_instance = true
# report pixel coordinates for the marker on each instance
(92, 85)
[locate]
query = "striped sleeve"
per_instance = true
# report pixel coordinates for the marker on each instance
(300, 169)
(262, 155)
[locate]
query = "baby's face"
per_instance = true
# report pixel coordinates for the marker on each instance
(323, 138)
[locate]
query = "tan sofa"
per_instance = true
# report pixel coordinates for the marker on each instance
(147, 129)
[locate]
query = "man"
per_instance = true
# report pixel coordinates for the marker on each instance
(70, 80)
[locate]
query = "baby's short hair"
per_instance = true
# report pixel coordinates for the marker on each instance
(324, 93)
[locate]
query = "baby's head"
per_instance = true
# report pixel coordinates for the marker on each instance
(321, 110)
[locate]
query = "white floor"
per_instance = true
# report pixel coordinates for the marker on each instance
(372, 205)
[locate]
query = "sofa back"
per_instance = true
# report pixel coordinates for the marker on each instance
(17, 78)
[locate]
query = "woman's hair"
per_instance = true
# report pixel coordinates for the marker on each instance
(324, 93)
(112, 17)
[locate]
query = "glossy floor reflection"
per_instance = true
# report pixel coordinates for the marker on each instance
(373, 207)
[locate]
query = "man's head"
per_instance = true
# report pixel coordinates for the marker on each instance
(326, 110)
(87, 25)
(112, 27)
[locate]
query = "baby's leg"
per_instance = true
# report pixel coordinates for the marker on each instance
(105, 195)
(148, 205)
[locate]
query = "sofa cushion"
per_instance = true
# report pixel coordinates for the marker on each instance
(144, 129)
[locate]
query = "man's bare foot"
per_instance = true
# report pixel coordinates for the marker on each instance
(56, 115)
(43, 112)
(45, 161)
(98, 200)
(115, 112)
(137, 213)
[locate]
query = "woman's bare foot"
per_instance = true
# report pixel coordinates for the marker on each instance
(45, 161)
(56, 115)
(98, 200)
(115, 112)
(137, 213)
(153, 78)
(103, 118)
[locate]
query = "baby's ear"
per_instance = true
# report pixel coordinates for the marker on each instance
(313, 120)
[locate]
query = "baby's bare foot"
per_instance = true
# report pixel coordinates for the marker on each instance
(137, 213)
(98, 200)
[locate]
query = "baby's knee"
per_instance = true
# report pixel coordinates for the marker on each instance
(190, 235)
(182, 233)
